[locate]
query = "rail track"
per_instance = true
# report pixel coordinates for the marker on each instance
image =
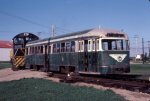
(128, 82)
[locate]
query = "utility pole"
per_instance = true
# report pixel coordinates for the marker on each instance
(143, 50)
(136, 44)
(148, 49)
(53, 30)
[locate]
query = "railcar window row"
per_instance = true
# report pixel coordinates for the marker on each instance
(34, 50)
(81, 46)
(63, 47)
(93, 45)
(69, 46)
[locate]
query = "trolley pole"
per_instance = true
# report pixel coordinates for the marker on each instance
(143, 50)
(136, 44)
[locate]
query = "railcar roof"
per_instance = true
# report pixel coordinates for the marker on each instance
(95, 32)
(64, 35)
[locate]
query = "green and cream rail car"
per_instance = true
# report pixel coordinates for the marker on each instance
(93, 51)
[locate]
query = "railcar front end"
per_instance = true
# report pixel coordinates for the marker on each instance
(114, 56)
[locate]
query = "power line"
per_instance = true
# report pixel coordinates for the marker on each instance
(23, 19)
(32, 22)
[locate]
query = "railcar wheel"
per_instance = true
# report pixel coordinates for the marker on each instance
(31, 67)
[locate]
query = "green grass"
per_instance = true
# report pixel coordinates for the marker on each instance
(5, 65)
(45, 90)
(140, 68)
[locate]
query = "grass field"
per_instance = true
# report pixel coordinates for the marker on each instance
(5, 65)
(140, 68)
(45, 90)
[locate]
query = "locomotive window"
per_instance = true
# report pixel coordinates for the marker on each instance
(26, 51)
(62, 47)
(18, 46)
(118, 44)
(19, 41)
(19, 52)
(58, 47)
(72, 46)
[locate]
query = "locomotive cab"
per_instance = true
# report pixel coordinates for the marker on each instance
(19, 42)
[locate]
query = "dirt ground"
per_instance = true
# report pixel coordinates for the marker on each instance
(8, 75)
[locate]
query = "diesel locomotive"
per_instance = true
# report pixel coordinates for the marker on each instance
(92, 51)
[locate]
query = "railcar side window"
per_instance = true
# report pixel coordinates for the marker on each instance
(62, 47)
(117, 44)
(49, 49)
(97, 44)
(32, 50)
(93, 45)
(58, 47)
(36, 50)
(81, 45)
(89, 45)
(72, 46)
(67, 46)
(41, 49)
(29, 51)
(26, 51)
(127, 45)
(54, 48)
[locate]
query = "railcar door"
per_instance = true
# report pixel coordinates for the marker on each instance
(91, 57)
(46, 59)
(83, 56)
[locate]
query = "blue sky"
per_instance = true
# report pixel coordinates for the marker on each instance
(133, 16)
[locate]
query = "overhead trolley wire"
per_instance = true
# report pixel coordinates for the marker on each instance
(23, 19)
(31, 22)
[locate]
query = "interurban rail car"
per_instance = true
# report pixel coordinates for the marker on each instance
(93, 51)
